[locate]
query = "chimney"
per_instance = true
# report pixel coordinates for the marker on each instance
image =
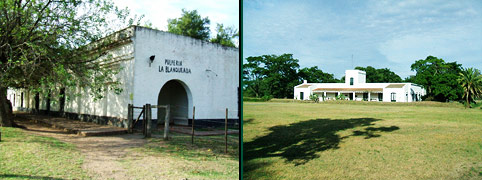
(305, 81)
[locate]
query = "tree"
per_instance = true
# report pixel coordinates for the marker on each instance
(438, 77)
(253, 77)
(190, 24)
(271, 75)
(383, 75)
(313, 74)
(225, 36)
(43, 44)
(426, 70)
(471, 81)
(409, 79)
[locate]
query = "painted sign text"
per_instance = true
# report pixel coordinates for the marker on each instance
(174, 66)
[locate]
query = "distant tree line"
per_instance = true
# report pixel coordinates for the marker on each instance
(276, 76)
(382, 75)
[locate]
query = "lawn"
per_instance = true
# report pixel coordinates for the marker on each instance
(361, 140)
(24, 156)
(176, 158)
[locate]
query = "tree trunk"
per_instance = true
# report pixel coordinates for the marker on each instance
(467, 97)
(5, 109)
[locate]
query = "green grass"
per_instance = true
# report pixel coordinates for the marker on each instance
(361, 140)
(25, 156)
(203, 160)
(253, 99)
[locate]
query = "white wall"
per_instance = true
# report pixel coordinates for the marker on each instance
(306, 93)
(15, 97)
(400, 94)
(358, 76)
(80, 101)
(213, 81)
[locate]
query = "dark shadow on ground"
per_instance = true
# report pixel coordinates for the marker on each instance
(246, 121)
(300, 142)
(370, 132)
(15, 176)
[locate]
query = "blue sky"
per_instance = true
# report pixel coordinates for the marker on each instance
(382, 34)
(159, 11)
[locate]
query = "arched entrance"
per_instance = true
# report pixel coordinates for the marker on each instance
(176, 94)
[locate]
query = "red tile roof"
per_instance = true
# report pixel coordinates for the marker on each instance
(350, 89)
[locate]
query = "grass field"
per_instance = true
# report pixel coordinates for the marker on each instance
(361, 140)
(24, 156)
(205, 159)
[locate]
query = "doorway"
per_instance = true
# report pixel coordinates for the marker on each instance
(177, 95)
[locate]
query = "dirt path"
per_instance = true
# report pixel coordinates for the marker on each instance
(101, 153)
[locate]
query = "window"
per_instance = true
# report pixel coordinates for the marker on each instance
(301, 95)
(351, 81)
(393, 97)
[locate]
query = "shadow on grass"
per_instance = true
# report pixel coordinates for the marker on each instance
(246, 121)
(300, 142)
(369, 132)
(26, 177)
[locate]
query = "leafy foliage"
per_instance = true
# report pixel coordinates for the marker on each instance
(277, 75)
(383, 75)
(267, 97)
(43, 44)
(314, 97)
(471, 81)
(225, 36)
(190, 24)
(313, 74)
(271, 75)
(438, 77)
(340, 97)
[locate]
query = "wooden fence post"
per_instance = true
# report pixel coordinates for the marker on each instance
(192, 133)
(166, 123)
(226, 132)
(148, 120)
(144, 120)
(130, 113)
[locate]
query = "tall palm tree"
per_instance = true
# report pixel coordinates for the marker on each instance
(471, 81)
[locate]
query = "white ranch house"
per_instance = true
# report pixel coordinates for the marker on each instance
(355, 88)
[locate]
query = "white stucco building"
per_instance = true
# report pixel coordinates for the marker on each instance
(156, 67)
(356, 88)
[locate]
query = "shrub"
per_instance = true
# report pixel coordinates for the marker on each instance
(427, 98)
(314, 97)
(340, 97)
(267, 98)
